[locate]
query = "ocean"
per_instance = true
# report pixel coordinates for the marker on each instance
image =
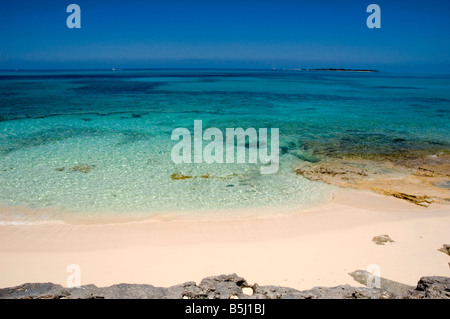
(96, 144)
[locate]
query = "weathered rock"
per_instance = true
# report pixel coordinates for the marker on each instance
(223, 286)
(231, 287)
(133, 292)
(423, 200)
(445, 249)
(348, 292)
(420, 180)
(435, 287)
(393, 287)
(186, 290)
(35, 291)
(275, 292)
(382, 239)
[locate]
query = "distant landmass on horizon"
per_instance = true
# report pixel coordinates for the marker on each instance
(331, 69)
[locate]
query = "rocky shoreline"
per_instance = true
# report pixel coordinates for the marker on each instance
(419, 179)
(235, 287)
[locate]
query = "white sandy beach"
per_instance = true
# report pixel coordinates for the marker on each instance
(318, 247)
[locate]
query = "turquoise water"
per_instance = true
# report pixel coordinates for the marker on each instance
(98, 143)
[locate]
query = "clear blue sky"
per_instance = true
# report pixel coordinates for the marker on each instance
(230, 34)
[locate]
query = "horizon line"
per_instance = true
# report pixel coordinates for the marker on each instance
(331, 69)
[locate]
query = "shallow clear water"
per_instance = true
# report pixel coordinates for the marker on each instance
(98, 143)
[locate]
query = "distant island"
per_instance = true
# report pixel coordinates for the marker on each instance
(346, 70)
(330, 69)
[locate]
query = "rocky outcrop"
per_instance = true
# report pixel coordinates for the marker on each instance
(396, 288)
(421, 181)
(435, 287)
(234, 287)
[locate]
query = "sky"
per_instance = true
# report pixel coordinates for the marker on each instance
(226, 34)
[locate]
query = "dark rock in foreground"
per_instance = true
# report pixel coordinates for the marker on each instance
(435, 287)
(232, 287)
